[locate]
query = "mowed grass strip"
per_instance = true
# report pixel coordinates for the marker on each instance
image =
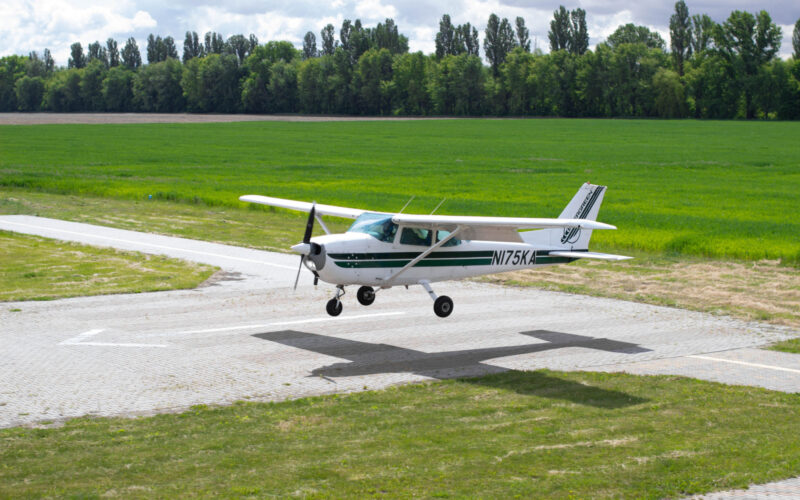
(717, 189)
(35, 268)
(790, 346)
(536, 434)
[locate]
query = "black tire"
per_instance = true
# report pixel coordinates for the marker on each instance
(334, 307)
(443, 306)
(365, 295)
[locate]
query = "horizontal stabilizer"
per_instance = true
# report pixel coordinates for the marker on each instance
(589, 255)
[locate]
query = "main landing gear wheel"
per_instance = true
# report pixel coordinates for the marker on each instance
(334, 307)
(443, 306)
(365, 295)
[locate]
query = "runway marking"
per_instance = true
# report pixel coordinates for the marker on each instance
(755, 365)
(153, 245)
(79, 340)
(279, 323)
(337, 318)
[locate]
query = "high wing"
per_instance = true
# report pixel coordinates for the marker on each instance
(453, 221)
(493, 228)
(302, 206)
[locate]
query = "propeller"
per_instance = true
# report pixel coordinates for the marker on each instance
(305, 248)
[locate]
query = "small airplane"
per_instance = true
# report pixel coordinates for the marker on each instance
(382, 250)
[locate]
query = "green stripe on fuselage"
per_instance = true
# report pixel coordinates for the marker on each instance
(362, 264)
(410, 255)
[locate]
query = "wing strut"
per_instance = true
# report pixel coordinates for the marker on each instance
(419, 257)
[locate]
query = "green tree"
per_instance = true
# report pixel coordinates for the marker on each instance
(12, 68)
(309, 45)
(498, 42)
(559, 30)
(514, 76)
(328, 41)
(410, 79)
(578, 32)
(96, 52)
(458, 85)
(63, 91)
(92, 78)
(680, 34)
(711, 92)
(633, 67)
(630, 33)
(387, 36)
(118, 90)
(702, 31)
(283, 87)
(191, 46)
(670, 99)
(747, 42)
(523, 35)
(113, 52)
(445, 37)
(157, 87)
(35, 66)
(76, 59)
(30, 91)
(796, 40)
(372, 77)
(131, 57)
(211, 84)
(593, 82)
(239, 46)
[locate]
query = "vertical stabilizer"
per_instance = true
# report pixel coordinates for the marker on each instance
(584, 205)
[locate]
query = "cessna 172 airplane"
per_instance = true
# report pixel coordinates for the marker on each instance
(382, 250)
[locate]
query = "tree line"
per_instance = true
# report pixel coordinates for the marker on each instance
(710, 70)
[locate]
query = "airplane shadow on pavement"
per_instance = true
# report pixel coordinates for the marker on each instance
(374, 359)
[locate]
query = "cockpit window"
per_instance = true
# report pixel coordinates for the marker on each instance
(415, 236)
(378, 226)
(442, 234)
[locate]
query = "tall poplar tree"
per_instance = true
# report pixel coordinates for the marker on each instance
(680, 34)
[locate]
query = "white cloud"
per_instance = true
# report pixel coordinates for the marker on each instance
(27, 25)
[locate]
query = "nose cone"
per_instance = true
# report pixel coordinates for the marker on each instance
(302, 248)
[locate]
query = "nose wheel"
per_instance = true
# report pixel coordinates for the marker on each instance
(334, 306)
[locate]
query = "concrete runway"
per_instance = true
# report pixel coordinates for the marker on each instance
(246, 335)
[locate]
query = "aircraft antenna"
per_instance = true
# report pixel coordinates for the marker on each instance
(407, 204)
(439, 205)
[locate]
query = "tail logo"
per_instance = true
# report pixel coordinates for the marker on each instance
(571, 234)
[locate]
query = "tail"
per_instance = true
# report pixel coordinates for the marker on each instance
(584, 205)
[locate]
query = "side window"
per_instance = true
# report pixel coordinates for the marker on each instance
(440, 235)
(415, 236)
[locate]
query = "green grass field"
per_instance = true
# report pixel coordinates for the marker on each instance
(518, 434)
(721, 189)
(36, 268)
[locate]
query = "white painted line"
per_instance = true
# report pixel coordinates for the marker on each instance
(755, 365)
(79, 340)
(82, 336)
(280, 323)
(153, 245)
(337, 318)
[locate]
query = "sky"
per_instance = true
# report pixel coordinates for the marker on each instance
(33, 25)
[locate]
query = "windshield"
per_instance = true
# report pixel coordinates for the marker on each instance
(378, 226)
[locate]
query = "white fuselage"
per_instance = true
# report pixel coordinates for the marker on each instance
(360, 259)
